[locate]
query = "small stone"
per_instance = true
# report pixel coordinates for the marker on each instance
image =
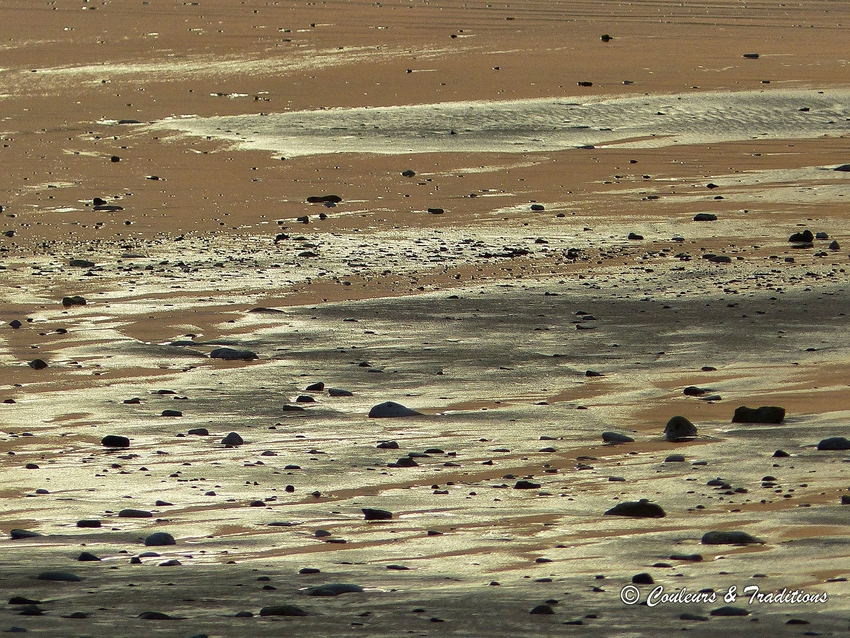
(696, 558)
(729, 538)
(243, 614)
(229, 354)
(323, 199)
(387, 445)
(642, 579)
(780, 454)
(15, 324)
(542, 609)
(391, 409)
(638, 509)
(90, 523)
(315, 387)
(282, 610)
(705, 217)
(405, 461)
(309, 570)
(74, 300)
(38, 364)
(376, 514)
(526, 485)
(675, 458)
(113, 440)
(635, 237)
(408, 173)
(154, 615)
(728, 610)
(172, 413)
(159, 539)
(232, 439)
(339, 392)
(679, 429)
(18, 534)
(616, 437)
(805, 237)
(834, 443)
(64, 577)
(763, 414)
(334, 589)
(87, 557)
(133, 513)
(689, 616)
(199, 432)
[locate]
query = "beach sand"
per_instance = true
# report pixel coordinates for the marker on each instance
(538, 280)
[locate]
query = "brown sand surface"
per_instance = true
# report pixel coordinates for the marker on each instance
(205, 126)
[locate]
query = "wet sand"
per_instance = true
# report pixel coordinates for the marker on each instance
(488, 318)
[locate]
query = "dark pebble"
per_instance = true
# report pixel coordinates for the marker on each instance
(232, 439)
(64, 577)
(158, 539)
(282, 610)
(638, 509)
(87, 557)
(113, 440)
(729, 538)
(376, 515)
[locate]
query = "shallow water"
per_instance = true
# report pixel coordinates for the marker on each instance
(536, 125)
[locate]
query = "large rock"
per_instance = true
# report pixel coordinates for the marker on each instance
(835, 443)
(229, 354)
(638, 509)
(763, 414)
(729, 538)
(391, 409)
(679, 429)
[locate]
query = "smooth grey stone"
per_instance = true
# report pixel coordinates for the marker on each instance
(65, 577)
(616, 437)
(638, 509)
(158, 539)
(762, 414)
(391, 409)
(729, 538)
(334, 589)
